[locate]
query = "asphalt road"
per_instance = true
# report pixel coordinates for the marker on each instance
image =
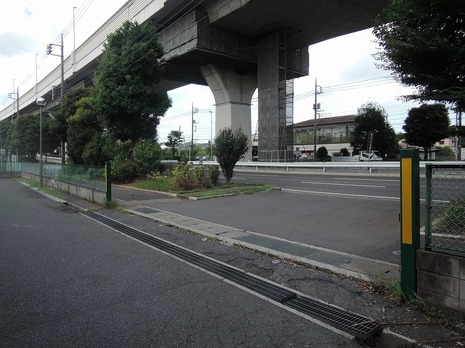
(353, 214)
(69, 281)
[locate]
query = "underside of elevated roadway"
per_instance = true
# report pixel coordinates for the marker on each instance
(237, 46)
(307, 21)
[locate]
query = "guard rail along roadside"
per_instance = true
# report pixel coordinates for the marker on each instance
(375, 167)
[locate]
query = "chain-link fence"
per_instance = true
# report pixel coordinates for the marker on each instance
(85, 176)
(445, 207)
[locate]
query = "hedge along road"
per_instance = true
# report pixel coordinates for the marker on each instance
(353, 214)
(70, 281)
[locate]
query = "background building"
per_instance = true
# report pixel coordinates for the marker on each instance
(334, 133)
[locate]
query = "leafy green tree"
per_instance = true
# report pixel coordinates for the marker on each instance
(6, 134)
(423, 45)
(372, 130)
(426, 125)
(127, 98)
(175, 139)
(230, 147)
(85, 139)
(59, 124)
(27, 136)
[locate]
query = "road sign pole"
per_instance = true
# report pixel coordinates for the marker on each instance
(409, 220)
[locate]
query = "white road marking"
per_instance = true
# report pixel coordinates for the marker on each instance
(335, 184)
(339, 194)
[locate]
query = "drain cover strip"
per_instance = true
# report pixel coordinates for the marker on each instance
(354, 324)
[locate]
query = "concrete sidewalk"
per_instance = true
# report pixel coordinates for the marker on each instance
(337, 262)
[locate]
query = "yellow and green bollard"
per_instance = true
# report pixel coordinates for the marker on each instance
(409, 220)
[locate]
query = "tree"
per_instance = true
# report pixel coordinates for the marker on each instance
(426, 125)
(372, 131)
(322, 153)
(85, 139)
(59, 124)
(423, 45)
(230, 147)
(27, 136)
(6, 134)
(175, 139)
(127, 99)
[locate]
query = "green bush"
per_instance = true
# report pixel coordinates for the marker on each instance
(95, 174)
(123, 171)
(187, 177)
(200, 173)
(91, 173)
(214, 174)
(453, 218)
(146, 156)
(183, 176)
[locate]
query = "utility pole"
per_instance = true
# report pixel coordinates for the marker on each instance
(15, 97)
(49, 52)
(316, 107)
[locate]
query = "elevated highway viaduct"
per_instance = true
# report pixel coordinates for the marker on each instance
(233, 46)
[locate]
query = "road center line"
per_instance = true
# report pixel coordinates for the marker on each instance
(335, 184)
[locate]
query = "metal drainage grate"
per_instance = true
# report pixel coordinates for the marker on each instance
(146, 210)
(357, 325)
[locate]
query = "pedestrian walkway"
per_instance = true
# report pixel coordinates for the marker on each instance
(338, 262)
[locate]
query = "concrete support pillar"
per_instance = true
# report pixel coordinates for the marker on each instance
(233, 93)
(275, 98)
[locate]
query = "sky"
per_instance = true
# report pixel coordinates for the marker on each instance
(344, 67)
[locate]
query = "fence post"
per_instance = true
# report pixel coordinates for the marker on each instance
(428, 183)
(108, 181)
(409, 220)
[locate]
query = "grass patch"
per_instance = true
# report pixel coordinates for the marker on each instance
(162, 184)
(226, 190)
(165, 184)
(46, 189)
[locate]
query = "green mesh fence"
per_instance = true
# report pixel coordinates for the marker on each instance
(445, 207)
(85, 176)
(10, 167)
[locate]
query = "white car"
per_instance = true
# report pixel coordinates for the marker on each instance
(369, 156)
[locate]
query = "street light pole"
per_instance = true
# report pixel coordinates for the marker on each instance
(41, 102)
(316, 107)
(211, 135)
(194, 110)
